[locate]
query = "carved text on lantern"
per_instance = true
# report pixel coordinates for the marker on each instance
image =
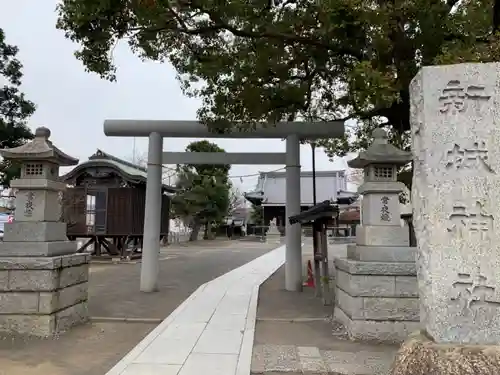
(385, 215)
(29, 205)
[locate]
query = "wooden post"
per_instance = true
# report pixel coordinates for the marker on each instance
(317, 258)
(325, 274)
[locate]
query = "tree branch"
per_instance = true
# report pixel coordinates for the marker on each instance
(221, 25)
(496, 16)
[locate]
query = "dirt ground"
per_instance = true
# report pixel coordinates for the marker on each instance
(289, 320)
(114, 295)
(91, 349)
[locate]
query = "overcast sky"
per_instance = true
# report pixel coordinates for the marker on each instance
(74, 103)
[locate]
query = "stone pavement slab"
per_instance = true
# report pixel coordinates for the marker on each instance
(270, 359)
(211, 332)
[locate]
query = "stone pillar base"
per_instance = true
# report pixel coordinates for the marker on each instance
(377, 300)
(273, 238)
(43, 296)
(419, 355)
(384, 331)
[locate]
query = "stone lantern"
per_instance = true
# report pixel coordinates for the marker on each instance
(43, 282)
(376, 285)
(38, 205)
(380, 189)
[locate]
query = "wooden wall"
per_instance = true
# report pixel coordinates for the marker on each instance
(119, 211)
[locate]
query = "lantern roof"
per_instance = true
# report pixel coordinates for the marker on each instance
(39, 149)
(380, 152)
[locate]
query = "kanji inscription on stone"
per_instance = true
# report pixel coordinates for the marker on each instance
(454, 97)
(469, 157)
(476, 223)
(29, 205)
(474, 290)
(455, 198)
(384, 211)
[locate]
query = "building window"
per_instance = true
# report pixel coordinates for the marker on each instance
(34, 169)
(383, 173)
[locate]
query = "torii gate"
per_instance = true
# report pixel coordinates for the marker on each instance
(156, 130)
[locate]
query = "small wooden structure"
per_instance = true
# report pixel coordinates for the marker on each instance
(106, 205)
(408, 218)
(319, 216)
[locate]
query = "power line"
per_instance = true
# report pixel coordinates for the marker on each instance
(174, 170)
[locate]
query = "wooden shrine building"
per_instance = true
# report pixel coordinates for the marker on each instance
(105, 204)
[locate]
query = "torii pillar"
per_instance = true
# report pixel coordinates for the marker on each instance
(293, 263)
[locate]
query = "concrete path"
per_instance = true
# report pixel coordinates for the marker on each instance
(211, 332)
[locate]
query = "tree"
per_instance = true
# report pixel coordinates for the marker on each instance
(356, 176)
(203, 195)
(235, 199)
(270, 60)
(256, 215)
(15, 109)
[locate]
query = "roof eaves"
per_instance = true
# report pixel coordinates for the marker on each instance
(99, 154)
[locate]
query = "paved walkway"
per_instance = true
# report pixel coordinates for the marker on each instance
(212, 332)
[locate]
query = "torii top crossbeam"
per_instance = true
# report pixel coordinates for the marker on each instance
(195, 129)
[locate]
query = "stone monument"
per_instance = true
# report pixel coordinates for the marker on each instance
(273, 234)
(376, 286)
(455, 124)
(43, 283)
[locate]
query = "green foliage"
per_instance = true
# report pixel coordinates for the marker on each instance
(14, 108)
(303, 59)
(256, 215)
(203, 190)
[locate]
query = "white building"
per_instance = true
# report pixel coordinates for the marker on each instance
(270, 192)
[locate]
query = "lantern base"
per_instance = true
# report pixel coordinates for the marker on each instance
(37, 249)
(35, 231)
(379, 235)
(377, 301)
(43, 296)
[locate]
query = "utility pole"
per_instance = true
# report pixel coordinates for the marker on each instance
(313, 148)
(316, 250)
